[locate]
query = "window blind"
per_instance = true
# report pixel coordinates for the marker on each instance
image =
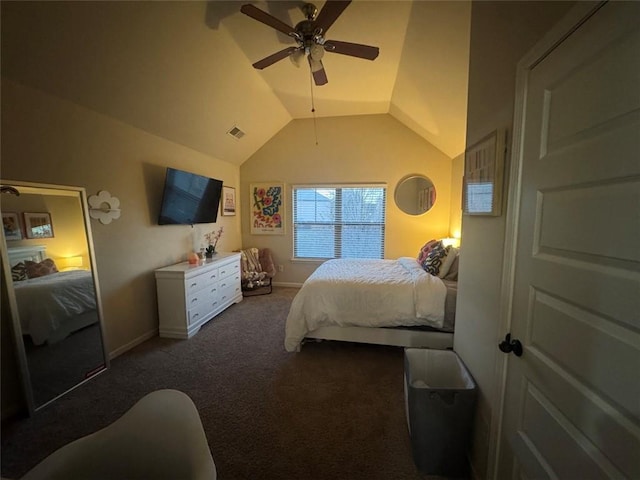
(339, 221)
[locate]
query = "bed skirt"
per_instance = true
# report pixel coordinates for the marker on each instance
(396, 336)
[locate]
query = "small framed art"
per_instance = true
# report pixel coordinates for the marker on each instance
(228, 201)
(483, 175)
(267, 208)
(11, 225)
(38, 225)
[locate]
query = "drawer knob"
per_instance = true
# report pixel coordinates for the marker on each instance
(193, 285)
(194, 299)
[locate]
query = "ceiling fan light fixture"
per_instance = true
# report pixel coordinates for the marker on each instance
(316, 52)
(296, 57)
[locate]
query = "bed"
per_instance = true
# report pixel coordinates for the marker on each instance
(389, 302)
(53, 305)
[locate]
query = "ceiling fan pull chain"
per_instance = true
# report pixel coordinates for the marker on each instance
(313, 106)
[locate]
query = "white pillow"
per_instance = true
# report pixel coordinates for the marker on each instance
(448, 261)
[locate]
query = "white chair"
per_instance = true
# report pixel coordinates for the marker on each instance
(160, 437)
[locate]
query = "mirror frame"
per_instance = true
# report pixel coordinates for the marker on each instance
(403, 181)
(13, 305)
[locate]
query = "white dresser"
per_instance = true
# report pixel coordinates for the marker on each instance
(191, 295)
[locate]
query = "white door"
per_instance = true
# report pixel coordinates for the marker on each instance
(572, 400)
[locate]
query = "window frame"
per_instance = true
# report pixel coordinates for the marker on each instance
(338, 225)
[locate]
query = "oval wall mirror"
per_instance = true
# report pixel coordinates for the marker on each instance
(415, 194)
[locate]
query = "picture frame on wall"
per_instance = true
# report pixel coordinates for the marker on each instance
(11, 226)
(267, 208)
(484, 175)
(38, 225)
(228, 201)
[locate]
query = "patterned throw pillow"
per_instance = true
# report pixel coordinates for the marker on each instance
(45, 267)
(447, 261)
(424, 251)
(19, 272)
(433, 262)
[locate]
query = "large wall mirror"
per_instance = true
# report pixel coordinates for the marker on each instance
(52, 286)
(415, 194)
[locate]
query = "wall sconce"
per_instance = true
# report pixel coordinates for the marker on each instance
(70, 263)
(104, 207)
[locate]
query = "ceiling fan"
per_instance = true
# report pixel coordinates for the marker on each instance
(309, 35)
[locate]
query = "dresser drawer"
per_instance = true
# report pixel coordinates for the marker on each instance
(198, 282)
(202, 310)
(229, 287)
(229, 269)
(210, 291)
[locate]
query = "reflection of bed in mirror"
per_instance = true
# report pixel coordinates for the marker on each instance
(54, 305)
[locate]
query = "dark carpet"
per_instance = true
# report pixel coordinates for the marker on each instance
(332, 411)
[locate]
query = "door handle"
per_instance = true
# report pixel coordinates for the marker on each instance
(508, 346)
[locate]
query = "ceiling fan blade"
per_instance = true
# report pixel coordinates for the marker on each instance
(353, 49)
(329, 13)
(317, 70)
(265, 18)
(271, 59)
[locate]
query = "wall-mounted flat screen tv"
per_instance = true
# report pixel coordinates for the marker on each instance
(189, 198)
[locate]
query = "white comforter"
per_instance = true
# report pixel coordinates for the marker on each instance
(46, 303)
(372, 293)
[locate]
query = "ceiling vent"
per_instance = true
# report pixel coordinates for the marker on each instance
(236, 133)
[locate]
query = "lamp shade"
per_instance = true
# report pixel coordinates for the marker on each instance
(455, 242)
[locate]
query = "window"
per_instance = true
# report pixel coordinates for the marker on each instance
(339, 221)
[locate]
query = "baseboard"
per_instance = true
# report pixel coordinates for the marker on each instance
(134, 343)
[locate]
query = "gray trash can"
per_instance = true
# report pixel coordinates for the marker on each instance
(440, 398)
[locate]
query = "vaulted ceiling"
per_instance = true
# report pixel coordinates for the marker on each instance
(182, 70)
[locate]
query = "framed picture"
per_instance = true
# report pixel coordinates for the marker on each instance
(483, 175)
(38, 225)
(11, 225)
(228, 201)
(267, 208)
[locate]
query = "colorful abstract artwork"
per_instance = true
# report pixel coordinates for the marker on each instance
(267, 210)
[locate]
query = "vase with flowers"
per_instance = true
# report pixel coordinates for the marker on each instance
(212, 240)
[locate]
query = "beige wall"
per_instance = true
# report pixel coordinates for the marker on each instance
(501, 33)
(365, 148)
(50, 140)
